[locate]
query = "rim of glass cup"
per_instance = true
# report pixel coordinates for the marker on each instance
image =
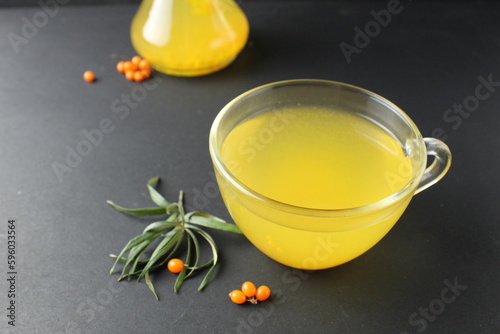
(409, 187)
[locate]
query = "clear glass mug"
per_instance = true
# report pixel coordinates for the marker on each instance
(309, 238)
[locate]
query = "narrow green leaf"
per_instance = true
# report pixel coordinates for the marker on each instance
(167, 257)
(197, 254)
(210, 241)
(173, 208)
(159, 227)
(189, 251)
(207, 220)
(163, 247)
(129, 275)
(180, 279)
(206, 265)
(134, 256)
(139, 212)
(154, 267)
(124, 259)
(181, 205)
(156, 197)
(207, 278)
(205, 214)
(137, 253)
(212, 244)
(173, 218)
(151, 232)
(184, 273)
(150, 285)
(134, 242)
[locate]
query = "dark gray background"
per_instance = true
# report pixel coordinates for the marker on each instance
(427, 59)
(16, 3)
(117, 2)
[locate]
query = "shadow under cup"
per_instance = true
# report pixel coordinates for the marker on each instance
(309, 238)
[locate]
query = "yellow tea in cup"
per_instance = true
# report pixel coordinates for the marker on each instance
(316, 158)
(315, 172)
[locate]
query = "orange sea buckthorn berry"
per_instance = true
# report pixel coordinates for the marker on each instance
(120, 67)
(144, 65)
(130, 75)
(175, 265)
(136, 60)
(237, 297)
(129, 66)
(248, 289)
(263, 292)
(146, 73)
(88, 76)
(138, 76)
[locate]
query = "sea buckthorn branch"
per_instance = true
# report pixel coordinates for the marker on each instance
(172, 232)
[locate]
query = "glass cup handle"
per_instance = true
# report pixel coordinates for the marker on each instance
(440, 165)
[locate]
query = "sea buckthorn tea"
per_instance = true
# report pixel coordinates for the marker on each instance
(315, 172)
(321, 158)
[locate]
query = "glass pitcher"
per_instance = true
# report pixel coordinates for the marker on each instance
(189, 37)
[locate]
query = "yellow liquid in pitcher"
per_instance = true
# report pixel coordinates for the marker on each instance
(189, 37)
(314, 158)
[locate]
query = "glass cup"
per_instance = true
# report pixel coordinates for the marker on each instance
(318, 238)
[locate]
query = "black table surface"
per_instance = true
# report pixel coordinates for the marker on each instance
(437, 271)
